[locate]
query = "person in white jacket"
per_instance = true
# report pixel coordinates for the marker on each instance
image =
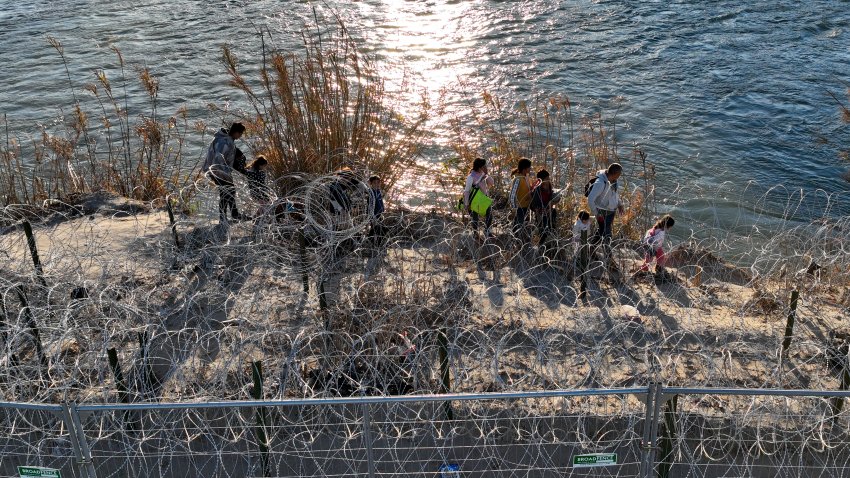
(582, 224)
(604, 201)
(218, 167)
(653, 242)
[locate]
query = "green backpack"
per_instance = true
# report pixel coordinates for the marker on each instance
(479, 202)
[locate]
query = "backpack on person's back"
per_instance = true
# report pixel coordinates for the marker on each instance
(589, 185)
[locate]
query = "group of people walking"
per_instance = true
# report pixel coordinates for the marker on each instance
(533, 197)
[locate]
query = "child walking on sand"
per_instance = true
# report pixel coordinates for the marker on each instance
(257, 180)
(582, 224)
(653, 242)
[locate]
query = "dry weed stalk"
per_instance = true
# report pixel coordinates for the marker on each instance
(141, 158)
(326, 108)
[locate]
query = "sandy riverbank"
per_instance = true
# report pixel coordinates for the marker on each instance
(187, 322)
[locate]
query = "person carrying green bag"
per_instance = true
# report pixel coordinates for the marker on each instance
(476, 196)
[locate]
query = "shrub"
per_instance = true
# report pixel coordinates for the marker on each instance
(325, 108)
(101, 147)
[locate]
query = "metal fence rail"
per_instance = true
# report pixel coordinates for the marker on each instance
(654, 431)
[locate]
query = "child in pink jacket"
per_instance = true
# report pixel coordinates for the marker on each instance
(653, 242)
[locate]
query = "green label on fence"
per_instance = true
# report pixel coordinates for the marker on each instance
(26, 471)
(595, 459)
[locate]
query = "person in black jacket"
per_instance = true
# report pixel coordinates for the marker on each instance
(543, 199)
(257, 180)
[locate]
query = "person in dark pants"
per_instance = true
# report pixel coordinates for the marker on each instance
(604, 201)
(219, 165)
(543, 201)
(520, 196)
(478, 178)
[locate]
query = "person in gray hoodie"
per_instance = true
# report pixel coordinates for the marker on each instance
(219, 165)
(604, 201)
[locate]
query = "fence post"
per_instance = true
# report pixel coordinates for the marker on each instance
(36, 261)
(367, 439)
(838, 402)
(668, 437)
(445, 371)
(261, 418)
(323, 300)
(72, 435)
(71, 417)
(302, 256)
(147, 372)
(646, 441)
(789, 324)
(584, 260)
(172, 222)
(653, 431)
(120, 385)
(650, 429)
(33, 329)
(118, 375)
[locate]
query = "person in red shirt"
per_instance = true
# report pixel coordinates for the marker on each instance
(543, 200)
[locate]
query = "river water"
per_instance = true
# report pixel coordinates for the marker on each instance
(717, 93)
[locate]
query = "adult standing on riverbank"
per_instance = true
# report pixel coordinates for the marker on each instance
(604, 201)
(219, 165)
(543, 200)
(520, 197)
(479, 179)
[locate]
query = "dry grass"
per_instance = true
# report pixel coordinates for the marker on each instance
(99, 146)
(325, 108)
(313, 112)
(546, 131)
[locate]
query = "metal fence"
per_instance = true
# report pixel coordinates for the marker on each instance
(650, 431)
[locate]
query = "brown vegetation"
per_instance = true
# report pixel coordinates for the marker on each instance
(100, 147)
(326, 108)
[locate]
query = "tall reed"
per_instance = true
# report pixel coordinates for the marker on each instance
(325, 108)
(101, 146)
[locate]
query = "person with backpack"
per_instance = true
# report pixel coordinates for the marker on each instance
(653, 243)
(218, 168)
(543, 200)
(478, 180)
(604, 201)
(520, 196)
